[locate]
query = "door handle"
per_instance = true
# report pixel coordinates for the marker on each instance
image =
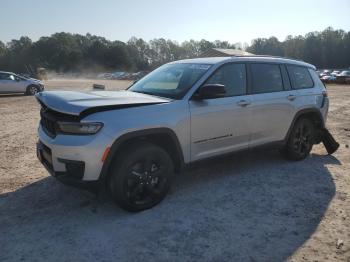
(291, 97)
(243, 103)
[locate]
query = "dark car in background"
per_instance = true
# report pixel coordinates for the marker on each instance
(328, 78)
(325, 72)
(124, 76)
(137, 76)
(343, 77)
(335, 73)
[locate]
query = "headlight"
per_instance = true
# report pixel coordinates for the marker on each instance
(72, 128)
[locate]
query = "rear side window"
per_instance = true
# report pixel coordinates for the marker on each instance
(266, 78)
(233, 77)
(300, 77)
(316, 78)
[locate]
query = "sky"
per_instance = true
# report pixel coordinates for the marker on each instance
(180, 20)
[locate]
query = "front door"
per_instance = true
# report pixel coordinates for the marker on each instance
(222, 125)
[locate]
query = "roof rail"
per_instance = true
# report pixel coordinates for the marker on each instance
(272, 56)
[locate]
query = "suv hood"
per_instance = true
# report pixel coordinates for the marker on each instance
(83, 103)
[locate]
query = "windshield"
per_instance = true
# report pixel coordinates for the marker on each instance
(170, 80)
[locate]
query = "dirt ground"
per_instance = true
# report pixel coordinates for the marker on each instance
(252, 206)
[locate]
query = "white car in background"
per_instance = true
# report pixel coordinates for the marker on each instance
(12, 83)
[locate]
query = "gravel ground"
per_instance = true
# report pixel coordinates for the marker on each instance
(252, 206)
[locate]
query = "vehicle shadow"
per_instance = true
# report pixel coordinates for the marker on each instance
(246, 207)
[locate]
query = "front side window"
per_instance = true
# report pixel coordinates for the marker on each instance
(171, 80)
(300, 77)
(9, 77)
(2, 76)
(266, 78)
(233, 77)
(5, 76)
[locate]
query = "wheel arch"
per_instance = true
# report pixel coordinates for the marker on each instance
(164, 137)
(310, 113)
(30, 85)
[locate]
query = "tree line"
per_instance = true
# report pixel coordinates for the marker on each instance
(66, 52)
(327, 49)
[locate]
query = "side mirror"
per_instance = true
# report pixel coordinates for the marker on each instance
(210, 91)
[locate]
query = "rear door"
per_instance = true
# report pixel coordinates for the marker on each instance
(303, 84)
(274, 103)
(222, 125)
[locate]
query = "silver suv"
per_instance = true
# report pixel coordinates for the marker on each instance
(12, 83)
(132, 142)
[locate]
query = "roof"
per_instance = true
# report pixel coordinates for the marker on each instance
(223, 52)
(246, 58)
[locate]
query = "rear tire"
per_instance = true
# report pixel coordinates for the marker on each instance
(140, 177)
(300, 141)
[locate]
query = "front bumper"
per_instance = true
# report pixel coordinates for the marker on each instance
(74, 169)
(72, 159)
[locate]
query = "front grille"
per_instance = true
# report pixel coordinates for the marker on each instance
(49, 125)
(49, 119)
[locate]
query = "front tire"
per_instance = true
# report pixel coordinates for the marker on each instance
(301, 140)
(32, 90)
(141, 176)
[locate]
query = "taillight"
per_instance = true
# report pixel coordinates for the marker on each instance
(324, 93)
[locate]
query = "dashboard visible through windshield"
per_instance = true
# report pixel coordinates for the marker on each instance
(171, 80)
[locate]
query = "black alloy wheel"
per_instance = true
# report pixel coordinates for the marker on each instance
(141, 178)
(301, 140)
